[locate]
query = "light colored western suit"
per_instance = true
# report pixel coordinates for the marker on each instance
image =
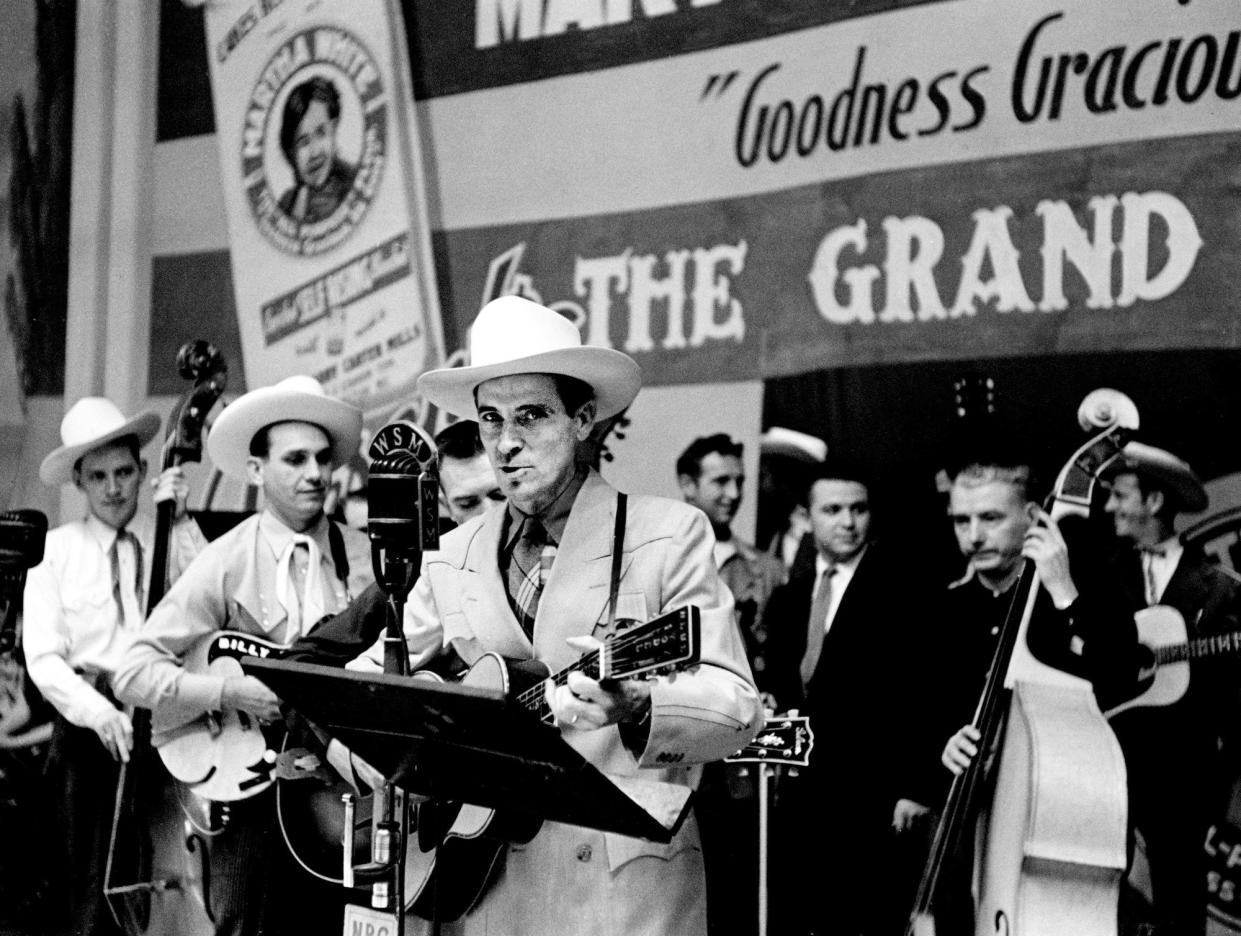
(570, 879)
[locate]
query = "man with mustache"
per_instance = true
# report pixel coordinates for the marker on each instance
(997, 523)
(274, 575)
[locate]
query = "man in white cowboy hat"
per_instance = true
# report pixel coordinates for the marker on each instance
(274, 575)
(533, 580)
(83, 602)
(1175, 754)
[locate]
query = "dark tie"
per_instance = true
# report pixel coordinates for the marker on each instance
(528, 566)
(114, 556)
(816, 627)
(1148, 554)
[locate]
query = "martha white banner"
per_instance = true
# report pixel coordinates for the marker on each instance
(331, 258)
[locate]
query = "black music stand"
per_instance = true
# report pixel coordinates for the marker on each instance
(470, 745)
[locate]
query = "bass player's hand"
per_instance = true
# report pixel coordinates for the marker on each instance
(961, 749)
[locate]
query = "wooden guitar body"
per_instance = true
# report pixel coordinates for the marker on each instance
(1160, 682)
(459, 847)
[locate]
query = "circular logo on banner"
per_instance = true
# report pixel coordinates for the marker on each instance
(313, 145)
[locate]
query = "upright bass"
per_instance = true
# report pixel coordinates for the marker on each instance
(1049, 819)
(157, 878)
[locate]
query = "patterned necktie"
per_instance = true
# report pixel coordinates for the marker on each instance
(527, 571)
(816, 627)
(114, 557)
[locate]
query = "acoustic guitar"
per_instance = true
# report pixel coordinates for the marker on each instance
(458, 847)
(1165, 655)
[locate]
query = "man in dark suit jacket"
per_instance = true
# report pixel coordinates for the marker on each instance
(831, 626)
(1173, 753)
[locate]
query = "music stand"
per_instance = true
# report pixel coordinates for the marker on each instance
(470, 745)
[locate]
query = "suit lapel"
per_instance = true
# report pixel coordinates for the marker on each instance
(576, 592)
(484, 597)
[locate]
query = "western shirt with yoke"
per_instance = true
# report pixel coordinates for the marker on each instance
(231, 586)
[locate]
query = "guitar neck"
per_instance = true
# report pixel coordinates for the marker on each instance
(534, 700)
(1201, 648)
(668, 642)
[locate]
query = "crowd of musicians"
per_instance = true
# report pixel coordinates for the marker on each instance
(833, 618)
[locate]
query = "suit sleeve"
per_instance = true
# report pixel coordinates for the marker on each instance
(714, 710)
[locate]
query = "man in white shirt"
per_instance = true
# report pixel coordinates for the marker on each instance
(82, 605)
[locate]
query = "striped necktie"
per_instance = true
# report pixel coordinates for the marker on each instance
(528, 568)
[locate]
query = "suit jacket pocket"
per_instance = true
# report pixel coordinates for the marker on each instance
(622, 849)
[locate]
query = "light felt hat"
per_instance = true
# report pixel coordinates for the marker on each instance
(90, 423)
(512, 335)
(294, 399)
(793, 444)
(1165, 469)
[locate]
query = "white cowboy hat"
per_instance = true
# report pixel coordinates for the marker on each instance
(294, 399)
(90, 423)
(1165, 469)
(512, 335)
(793, 444)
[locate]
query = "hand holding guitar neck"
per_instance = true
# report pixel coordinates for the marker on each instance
(584, 703)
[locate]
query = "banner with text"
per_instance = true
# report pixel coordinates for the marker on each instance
(937, 180)
(323, 191)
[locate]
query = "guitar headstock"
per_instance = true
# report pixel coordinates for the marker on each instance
(785, 739)
(665, 644)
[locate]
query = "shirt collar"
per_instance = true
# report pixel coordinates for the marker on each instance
(278, 535)
(821, 564)
(104, 534)
(555, 517)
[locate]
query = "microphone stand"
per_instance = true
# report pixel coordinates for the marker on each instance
(403, 497)
(396, 570)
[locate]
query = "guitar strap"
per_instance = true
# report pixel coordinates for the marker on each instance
(340, 559)
(618, 552)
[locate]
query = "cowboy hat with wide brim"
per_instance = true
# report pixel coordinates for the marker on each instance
(512, 335)
(294, 399)
(1165, 470)
(93, 422)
